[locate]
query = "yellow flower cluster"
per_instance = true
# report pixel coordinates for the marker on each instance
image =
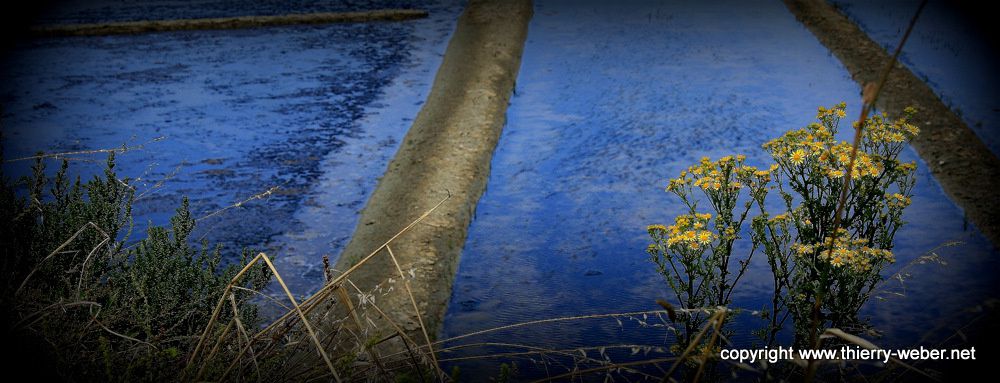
(897, 200)
(803, 250)
(730, 232)
(850, 253)
(711, 175)
(718, 175)
(783, 217)
(836, 160)
(838, 111)
(688, 230)
(814, 146)
(879, 130)
(754, 175)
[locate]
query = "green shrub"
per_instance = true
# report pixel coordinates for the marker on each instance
(98, 306)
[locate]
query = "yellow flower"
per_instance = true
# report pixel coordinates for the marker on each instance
(898, 200)
(873, 170)
(675, 184)
(802, 250)
(888, 256)
(837, 261)
(841, 113)
(798, 156)
(705, 237)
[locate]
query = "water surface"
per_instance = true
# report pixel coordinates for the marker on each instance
(611, 101)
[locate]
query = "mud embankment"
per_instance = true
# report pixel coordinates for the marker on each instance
(447, 150)
(966, 169)
(146, 26)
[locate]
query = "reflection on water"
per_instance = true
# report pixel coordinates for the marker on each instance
(316, 110)
(611, 101)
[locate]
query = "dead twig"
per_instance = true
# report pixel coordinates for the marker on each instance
(61, 155)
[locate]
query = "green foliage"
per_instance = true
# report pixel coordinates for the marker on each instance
(506, 373)
(103, 308)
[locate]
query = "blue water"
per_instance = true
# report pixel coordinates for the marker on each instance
(220, 116)
(949, 49)
(611, 101)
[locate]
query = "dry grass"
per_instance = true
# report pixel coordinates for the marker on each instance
(340, 347)
(76, 155)
(359, 341)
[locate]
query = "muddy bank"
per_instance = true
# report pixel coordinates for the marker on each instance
(134, 27)
(968, 172)
(447, 150)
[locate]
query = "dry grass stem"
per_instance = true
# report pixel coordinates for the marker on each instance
(416, 311)
(66, 155)
(59, 249)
